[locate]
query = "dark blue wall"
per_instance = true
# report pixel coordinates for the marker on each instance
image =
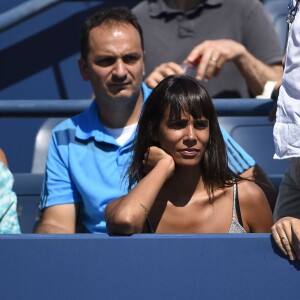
(160, 267)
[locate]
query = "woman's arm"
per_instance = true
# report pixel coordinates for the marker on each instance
(255, 209)
(127, 214)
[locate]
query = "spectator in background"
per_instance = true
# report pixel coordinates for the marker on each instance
(9, 222)
(188, 186)
(286, 231)
(89, 152)
(238, 48)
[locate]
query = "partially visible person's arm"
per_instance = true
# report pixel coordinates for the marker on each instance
(3, 158)
(57, 219)
(286, 234)
(162, 71)
(215, 53)
(127, 215)
(9, 222)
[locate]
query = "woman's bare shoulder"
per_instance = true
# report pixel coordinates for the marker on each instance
(255, 208)
(250, 193)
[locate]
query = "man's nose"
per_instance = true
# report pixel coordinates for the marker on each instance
(120, 69)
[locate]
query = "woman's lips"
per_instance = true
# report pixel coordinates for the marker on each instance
(189, 152)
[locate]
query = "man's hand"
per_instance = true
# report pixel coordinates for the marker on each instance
(161, 72)
(286, 233)
(214, 54)
(209, 55)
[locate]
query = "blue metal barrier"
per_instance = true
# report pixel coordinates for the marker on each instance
(23, 12)
(42, 108)
(58, 108)
(206, 266)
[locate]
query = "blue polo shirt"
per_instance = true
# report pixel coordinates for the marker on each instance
(86, 165)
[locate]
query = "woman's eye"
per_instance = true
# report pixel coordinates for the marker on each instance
(177, 124)
(201, 124)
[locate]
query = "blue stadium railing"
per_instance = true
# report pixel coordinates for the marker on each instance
(158, 267)
(48, 108)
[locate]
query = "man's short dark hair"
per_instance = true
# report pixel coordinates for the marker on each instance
(107, 15)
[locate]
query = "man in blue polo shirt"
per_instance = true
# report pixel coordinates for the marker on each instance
(88, 153)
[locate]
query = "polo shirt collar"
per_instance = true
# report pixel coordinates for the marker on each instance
(89, 125)
(159, 7)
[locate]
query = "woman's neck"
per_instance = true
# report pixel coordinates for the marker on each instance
(184, 183)
(184, 5)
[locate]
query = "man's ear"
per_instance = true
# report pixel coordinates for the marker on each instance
(83, 69)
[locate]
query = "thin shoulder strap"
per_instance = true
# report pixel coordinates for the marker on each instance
(149, 226)
(237, 204)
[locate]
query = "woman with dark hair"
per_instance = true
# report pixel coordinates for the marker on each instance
(179, 179)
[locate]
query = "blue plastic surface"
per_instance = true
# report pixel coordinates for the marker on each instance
(245, 266)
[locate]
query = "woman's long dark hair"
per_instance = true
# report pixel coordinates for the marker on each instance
(183, 95)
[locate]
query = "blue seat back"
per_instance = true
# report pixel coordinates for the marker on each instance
(28, 187)
(277, 11)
